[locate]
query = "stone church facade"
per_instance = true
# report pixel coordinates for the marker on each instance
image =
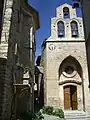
(64, 62)
(18, 24)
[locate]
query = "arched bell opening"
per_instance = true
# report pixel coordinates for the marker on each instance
(61, 29)
(74, 29)
(66, 13)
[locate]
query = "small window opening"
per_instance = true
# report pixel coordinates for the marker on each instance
(66, 12)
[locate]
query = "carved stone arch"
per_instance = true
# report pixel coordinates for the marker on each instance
(72, 63)
(71, 83)
(59, 19)
(75, 19)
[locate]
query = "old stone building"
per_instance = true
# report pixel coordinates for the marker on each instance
(85, 5)
(64, 62)
(18, 24)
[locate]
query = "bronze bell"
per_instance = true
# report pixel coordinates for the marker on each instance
(74, 33)
(60, 34)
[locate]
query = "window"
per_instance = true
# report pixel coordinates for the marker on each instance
(66, 12)
(74, 29)
(69, 69)
(61, 29)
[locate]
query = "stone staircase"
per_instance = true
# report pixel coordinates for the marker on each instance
(50, 117)
(76, 115)
(70, 115)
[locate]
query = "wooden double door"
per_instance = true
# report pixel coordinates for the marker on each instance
(70, 97)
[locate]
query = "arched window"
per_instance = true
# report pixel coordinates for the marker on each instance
(74, 29)
(66, 12)
(61, 29)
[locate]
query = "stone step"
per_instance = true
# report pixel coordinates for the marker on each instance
(76, 115)
(69, 115)
(50, 117)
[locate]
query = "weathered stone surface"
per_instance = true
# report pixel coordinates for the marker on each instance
(50, 117)
(16, 31)
(59, 52)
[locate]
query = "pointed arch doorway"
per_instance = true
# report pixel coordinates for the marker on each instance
(70, 97)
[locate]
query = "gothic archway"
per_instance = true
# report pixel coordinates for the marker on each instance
(70, 76)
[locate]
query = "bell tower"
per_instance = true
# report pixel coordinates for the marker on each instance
(65, 62)
(66, 24)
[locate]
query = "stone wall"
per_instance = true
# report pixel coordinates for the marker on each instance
(55, 51)
(7, 81)
(86, 19)
(15, 32)
(54, 59)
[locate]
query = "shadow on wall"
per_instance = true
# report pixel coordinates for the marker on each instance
(1, 14)
(39, 82)
(3, 63)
